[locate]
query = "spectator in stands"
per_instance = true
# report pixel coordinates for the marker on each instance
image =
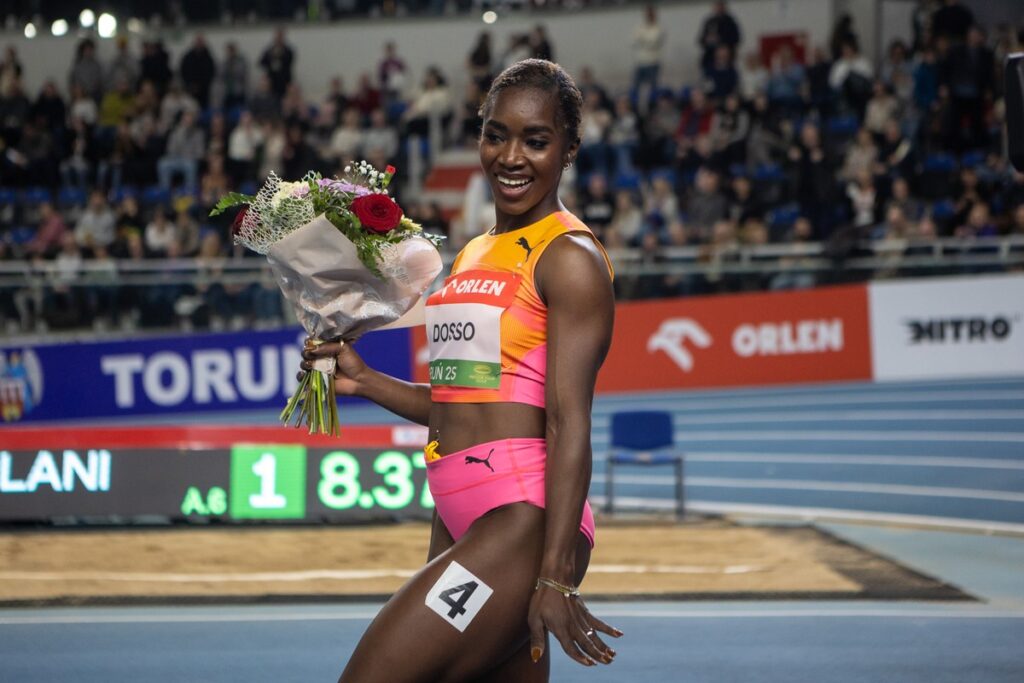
(337, 98)
(381, 139)
(76, 167)
(861, 156)
(174, 105)
(926, 81)
(15, 108)
(469, 119)
(588, 82)
(765, 141)
(367, 97)
(479, 62)
(969, 193)
(597, 204)
(814, 174)
(896, 226)
(111, 170)
(595, 156)
(722, 77)
(753, 76)
(863, 198)
(347, 141)
(627, 222)
(818, 93)
(124, 65)
(696, 117)
(186, 146)
(900, 197)
(156, 66)
(1016, 227)
(648, 42)
(215, 182)
(50, 106)
(160, 234)
(842, 32)
(898, 73)
(128, 222)
(264, 105)
(392, 74)
(540, 44)
(244, 144)
(967, 74)
(432, 103)
(62, 302)
(95, 227)
(518, 49)
(274, 143)
(729, 130)
(298, 156)
(293, 107)
(277, 62)
(706, 204)
(851, 78)
(198, 71)
(882, 108)
(895, 153)
(791, 275)
(186, 231)
(49, 235)
(978, 224)
(234, 77)
(624, 135)
(718, 30)
(743, 204)
(951, 22)
(785, 82)
(660, 203)
(10, 68)
(86, 71)
(118, 105)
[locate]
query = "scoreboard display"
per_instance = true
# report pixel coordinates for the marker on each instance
(243, 474)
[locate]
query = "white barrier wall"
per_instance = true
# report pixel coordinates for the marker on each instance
(947, 328)
(598, 38)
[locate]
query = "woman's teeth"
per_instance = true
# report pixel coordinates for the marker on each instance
(510, 182)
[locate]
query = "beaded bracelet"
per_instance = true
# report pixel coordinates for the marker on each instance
(567, 591)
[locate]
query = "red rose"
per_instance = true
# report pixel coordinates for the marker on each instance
(377, 212)
(236, 224)
(390, 170)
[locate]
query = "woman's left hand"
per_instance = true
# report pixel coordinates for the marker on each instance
(572, 625)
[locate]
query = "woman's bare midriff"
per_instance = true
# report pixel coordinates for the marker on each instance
(456, 426)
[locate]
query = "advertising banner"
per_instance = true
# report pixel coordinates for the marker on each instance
(214, 474)
(166, 375)
(948, 328)
(745, 340)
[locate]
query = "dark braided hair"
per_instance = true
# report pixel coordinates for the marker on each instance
(549, 77)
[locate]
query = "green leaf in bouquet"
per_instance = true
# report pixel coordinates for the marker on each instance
(231, 199)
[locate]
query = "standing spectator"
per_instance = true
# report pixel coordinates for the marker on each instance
(479, 62)
(124, 65)
(337, 98)
(367, 97)
(234, 76)
(720, 29)
(244, 143)
(49, 235)
(391, 73)
(198, 70)
(277, 62)
(926, 81)
(86, 71)
(470, 120)
(786, 82)
(297, 157)
(818, 93)
(79, 157)
(881, 108)
(174, 105)
(648, 41)
(967, 74)
(518, 49)
(95, 227)
(722, 77)
(186, 146)
(594, 154)
(265, 105)
(814, 174)
(624, 134)
(118, 105)
(10, 68)
(729, 130)
(540, 44)
(951, 22)
(897, 71)
(433, 102)
(842, 33)
(50, 106)
(156, 65)
(852, 78)
(273, 149)
(862, 195)
(347, 141)
(15, 109)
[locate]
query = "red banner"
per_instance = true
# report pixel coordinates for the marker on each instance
(818, 335)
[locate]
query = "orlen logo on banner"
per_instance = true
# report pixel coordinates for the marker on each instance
(742, 340)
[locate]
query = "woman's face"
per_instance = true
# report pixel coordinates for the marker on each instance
(522, 152)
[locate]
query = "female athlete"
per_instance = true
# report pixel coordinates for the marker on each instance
(517, 334)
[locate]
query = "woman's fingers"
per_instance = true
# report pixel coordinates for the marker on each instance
(570, 646)
(599, 625)
(587, 640)
(325, 350)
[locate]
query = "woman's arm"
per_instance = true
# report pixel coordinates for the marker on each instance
(355, 378)
(573, 278)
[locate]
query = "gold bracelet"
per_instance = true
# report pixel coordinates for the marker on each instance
(567, 591)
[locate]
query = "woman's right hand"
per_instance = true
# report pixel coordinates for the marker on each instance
(351, 368)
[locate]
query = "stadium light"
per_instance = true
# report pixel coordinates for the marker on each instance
(59, 27)
(30, 30)
(107, 25)
(87, 18)
(490, 16)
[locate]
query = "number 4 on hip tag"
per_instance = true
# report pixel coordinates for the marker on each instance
(458, 596)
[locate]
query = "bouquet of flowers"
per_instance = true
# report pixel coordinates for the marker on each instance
(345, 257)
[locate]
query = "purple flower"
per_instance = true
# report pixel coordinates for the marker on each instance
(341, 186)
(300, 191)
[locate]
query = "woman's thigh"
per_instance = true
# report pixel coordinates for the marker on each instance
(463, 614)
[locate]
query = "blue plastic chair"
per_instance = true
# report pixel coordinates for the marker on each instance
(643, 437)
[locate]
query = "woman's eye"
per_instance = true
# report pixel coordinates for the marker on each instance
(537, 144)
(492, 137)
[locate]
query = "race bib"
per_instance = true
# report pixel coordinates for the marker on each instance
(463, 322)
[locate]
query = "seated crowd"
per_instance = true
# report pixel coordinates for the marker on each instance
(784, 148)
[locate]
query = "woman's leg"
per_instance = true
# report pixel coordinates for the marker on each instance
(410, 642)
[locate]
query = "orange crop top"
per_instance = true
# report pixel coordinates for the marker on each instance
(487, 326)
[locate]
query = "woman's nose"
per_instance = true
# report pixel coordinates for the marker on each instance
(511, 154)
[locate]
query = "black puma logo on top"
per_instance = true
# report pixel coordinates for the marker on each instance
(485, 461)
(526, 245)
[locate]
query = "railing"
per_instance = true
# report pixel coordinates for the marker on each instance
(184, 294)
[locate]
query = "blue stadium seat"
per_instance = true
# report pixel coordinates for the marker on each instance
(8, 196)
(784, 216)
(72, 196)
(22, 234)
(121, 193)
(643, 437)
(943, 210)
(737, 170)
(626, 181)
(972, 159)
(34, 196)
(249, 187)
(769, 173)
(154, 195)
(939, 163)
(842, 125)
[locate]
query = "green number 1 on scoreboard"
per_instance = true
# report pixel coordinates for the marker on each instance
(268, 482)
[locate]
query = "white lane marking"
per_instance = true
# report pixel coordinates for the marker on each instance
(812, 485)
(850, 459)
(686, 402)
(608, 611)
(684, 436)
(856, 415)
(339, 575)
(812, 514)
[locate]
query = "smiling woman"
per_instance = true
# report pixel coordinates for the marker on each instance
(516, 335)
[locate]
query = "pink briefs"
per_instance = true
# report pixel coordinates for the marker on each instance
(470, 483)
